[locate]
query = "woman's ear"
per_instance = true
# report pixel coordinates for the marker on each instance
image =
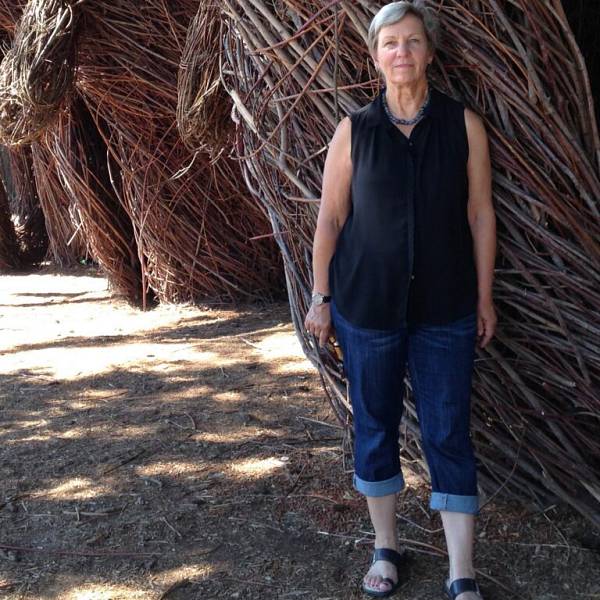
(375, 62)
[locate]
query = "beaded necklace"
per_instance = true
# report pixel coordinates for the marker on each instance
(415, 119)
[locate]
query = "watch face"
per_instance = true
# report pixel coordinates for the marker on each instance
(318, 299)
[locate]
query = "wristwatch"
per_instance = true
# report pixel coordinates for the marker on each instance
(318, 298)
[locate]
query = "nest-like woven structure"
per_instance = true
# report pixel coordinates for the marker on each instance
(294, 68)
(37, 71)
(67, 244)
(167, 221)
(36, 74)
(192, 218)
(75, 157)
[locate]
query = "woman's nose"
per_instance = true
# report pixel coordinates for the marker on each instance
(402, 49)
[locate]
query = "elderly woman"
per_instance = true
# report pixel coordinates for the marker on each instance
(403, 263)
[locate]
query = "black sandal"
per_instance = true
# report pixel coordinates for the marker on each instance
(395, 558)
(458, 586)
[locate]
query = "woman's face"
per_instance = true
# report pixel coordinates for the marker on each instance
(402, 52)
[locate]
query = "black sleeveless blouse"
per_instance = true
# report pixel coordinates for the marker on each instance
(405, 253)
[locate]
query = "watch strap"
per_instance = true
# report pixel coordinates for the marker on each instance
(321, 297)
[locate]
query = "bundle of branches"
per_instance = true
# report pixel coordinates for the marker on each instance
(66, 243)
(294, 68)
(39, 191)
(10, 13)
(24, 204)
(72, 165)
(203, 106)
(82, 212)
(193, 221)
(37, 72)
(9, 248)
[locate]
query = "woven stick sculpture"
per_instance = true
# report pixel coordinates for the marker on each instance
(76, 155)
(183, 219)
(193, 221)
(294, 68)
(66, 242)
(37, 72)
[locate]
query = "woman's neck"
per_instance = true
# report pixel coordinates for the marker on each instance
(405, 101)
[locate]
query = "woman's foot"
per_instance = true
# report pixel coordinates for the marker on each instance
(380, 569)
(382, 578)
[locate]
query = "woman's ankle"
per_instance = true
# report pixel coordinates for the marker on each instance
(387, 542)
(460, 572)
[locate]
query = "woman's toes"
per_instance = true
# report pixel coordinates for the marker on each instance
(376, 582)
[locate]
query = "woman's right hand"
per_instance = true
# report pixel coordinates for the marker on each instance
(318, 322)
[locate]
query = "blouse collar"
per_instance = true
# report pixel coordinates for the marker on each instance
(377, 115)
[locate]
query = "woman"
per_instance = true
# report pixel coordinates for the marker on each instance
(403, 261)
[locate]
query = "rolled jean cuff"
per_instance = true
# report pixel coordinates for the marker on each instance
(454, 503)
(378, 488)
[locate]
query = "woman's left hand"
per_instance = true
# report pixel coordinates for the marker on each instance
(486, 322)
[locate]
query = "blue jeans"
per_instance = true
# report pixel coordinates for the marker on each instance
(440, 361)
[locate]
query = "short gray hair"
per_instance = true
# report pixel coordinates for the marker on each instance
(395, 11)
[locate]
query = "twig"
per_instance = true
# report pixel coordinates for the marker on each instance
(171, 527)
(333, 425)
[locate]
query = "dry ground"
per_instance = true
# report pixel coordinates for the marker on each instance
(189, 453)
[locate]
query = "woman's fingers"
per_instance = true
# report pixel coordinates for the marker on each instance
(486, 322)
(307, 325)
(323, 335)
(480, 327)
(318, 323)
(320, 331)
(487, 332)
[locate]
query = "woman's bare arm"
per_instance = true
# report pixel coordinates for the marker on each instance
(482, 221)
(335, 204)
(333, 212)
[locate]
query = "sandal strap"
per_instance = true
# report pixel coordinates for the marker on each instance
(465, 584)
(388, 554)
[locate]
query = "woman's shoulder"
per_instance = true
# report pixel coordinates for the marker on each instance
(451, 109)
(446, 101)
(460, 108)
(367, 114)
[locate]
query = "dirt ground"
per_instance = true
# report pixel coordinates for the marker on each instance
(190, 453)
